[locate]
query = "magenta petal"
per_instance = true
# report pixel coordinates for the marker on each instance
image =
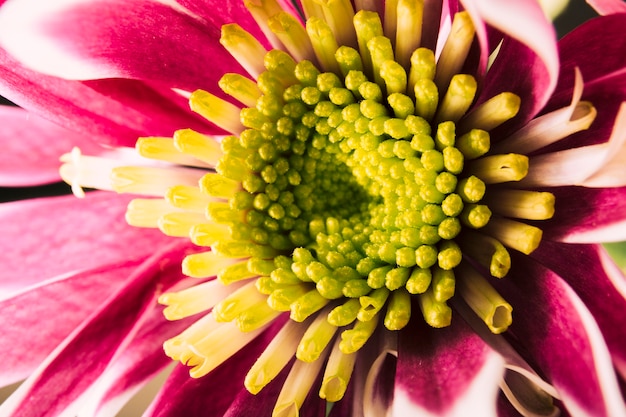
(31, 148)
(558, 332)
(527, 62)
(36, 320)
(587, 215)
(53, 236)
(80, 360)
(445, 372)
(152, 40)
(600, 285)
(114, 112)
(139, 358)
(605, 79)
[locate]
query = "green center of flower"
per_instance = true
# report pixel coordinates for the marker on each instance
(349, 191)
(356, 187)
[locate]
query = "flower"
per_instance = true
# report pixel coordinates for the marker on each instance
(374, 227)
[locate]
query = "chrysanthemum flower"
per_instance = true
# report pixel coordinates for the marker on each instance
(389, 206)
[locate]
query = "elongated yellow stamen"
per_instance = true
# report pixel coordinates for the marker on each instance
(408, 29)
(484, 300)
(244, 48)
(292, 35)
(455, 49)
(337, 373)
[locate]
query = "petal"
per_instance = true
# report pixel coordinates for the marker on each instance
(139, 358)
(587, 215)
(445, 372)
(605, 79)
(590, 166)
(608, 6)
(37, 319)
(32, 147)
(600, 285)
(81, 358)
(559, 333)
(527, 63)
(112, 112)
(152, 40)
(54, 236)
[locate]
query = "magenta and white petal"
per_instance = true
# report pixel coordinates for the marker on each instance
(146, 40)
(112, 112)
(601, 286)
(549, 128)
(31, 148)
(553, 326)
(57, 385)
(590, 166)
(38, 318)
(445, 372)
(55, 236)
(605, 79)
(527, 63)
(527, 392)
(605, 7)
(138, 359)
(587, 215)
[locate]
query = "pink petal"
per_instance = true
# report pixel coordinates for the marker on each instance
(527, 63)
(445, 372)
(608, 6)
(82, 357)
(153, 41)
(53, 236)
(553, 326)
(138, 359)
(600, 285)
(37, 319)
(587, 215)
(32, 147)
(108, 113)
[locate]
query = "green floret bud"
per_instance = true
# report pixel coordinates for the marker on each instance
(396, 128)
(419, 280)
(422, 142)
(425, 256)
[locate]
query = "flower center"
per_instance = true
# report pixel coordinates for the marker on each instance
(357, 186)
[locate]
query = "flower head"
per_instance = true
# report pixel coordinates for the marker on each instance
(382, 211)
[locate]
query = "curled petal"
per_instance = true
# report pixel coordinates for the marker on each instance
(524, 388)
(590, 166)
